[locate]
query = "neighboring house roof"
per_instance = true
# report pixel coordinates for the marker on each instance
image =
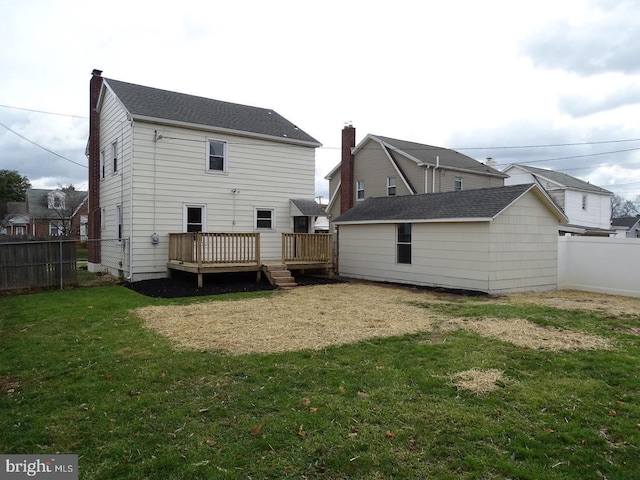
(155, 104)
(37, 202)
(627, 222)
(471, 205)
(561, 179)
(16, 213)
(308, 208)
(425, 155)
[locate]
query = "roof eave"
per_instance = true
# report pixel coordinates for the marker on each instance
(416, 220)
(211, 128)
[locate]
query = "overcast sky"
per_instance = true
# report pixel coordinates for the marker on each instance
(477, 77)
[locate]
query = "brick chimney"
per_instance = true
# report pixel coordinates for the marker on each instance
(348, 186)
(93, 247)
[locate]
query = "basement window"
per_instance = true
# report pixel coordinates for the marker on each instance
(403, 245)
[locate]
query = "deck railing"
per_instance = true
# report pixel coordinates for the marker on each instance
(306, 247)
(214, 248)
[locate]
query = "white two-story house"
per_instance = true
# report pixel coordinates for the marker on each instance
(587, 206)
(163, 163)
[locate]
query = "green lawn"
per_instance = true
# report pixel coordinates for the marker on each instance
(79, 374)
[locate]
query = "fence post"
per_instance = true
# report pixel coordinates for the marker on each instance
(61, 270)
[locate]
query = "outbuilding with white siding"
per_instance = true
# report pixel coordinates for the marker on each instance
(494, 240)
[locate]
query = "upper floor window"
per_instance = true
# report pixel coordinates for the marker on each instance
(391, 186)
(584, 201)
(360, 190)
(265, 218)
(102, 167)
(114, 156)
(457, 186)
(55, 200)
(217, 156)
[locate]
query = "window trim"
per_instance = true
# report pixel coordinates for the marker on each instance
(403, 243)
(393, 186)
(360, 188)
(185, 216)
(272, 210)
(225, 157)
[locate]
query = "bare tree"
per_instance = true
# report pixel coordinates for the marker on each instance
(63, 206)
(621, 207)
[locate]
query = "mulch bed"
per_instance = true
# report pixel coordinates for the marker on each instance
(183, 284)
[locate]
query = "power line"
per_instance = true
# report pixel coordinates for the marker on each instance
(42, 111)
(42, 147)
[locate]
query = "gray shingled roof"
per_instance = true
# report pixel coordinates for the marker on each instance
(625, 221)
(480, 203)
(309, 208)
(446, 157)
(180, 107)
(564, 179)
(38, 204)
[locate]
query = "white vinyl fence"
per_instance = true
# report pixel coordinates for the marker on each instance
(599, 264)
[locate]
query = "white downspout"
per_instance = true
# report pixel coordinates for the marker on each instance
(433, 186)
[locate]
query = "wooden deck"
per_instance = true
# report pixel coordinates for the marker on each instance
(208, 252)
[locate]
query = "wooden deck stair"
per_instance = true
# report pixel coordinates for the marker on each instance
(279, 275)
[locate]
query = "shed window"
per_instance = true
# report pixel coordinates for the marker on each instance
(404, 243)
(391, 186)
(360, 190)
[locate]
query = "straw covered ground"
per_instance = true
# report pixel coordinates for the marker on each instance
(316, 317)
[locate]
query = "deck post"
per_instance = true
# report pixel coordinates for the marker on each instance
(199, 280)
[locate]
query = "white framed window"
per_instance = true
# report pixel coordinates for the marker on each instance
(403, 245)
(119, 222)
(19, 231)
(265, 218)
(391, 186)
(360, 190)
(216, 156)
(102, 165)
(457, 186)
(584, 201)
(114, 156)
(103, 219)
(194, 218)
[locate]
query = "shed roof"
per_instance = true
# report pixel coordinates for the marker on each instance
(562, 179)
(154, 103)
(470, 205)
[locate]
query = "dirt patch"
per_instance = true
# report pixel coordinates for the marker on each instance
(303, 318)
(525, 334)
(316, 317)
(479, 382)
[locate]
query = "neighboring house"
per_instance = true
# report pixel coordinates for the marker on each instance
(494, 240)
(48, 213)
(162, 162)
(587, 206)
(626, 226)
(16, 220)
(382, 166)
(58, 212)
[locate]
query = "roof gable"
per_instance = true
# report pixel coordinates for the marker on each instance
(479, 204)
(156, 104)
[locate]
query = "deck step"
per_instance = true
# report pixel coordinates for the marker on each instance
(279, 276)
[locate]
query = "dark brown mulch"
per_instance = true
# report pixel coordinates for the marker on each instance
(186, 285)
